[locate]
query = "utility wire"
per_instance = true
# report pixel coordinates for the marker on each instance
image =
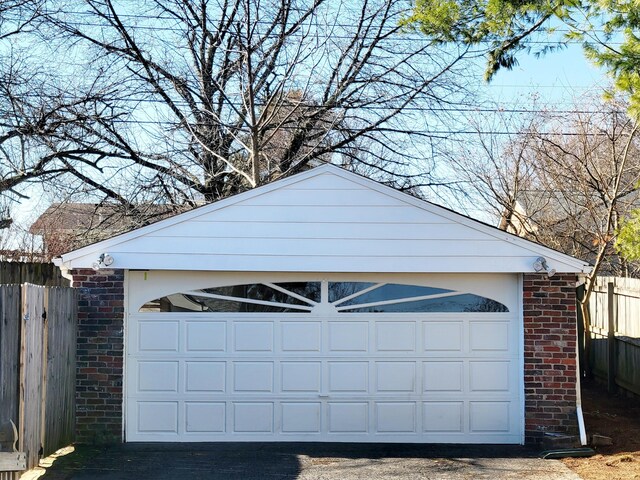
(332, 36)
(401, 36)
(416, 131)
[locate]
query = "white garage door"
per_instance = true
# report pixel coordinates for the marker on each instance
(324, 361)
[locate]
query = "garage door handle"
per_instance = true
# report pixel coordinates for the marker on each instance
(323, 396)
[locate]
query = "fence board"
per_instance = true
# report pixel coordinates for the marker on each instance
(32, 272)
(10, 475)
(9, 352)
(61, 369)
(628, 366)
(625, 324)
(30, 431)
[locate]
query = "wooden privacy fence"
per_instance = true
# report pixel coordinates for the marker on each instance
(12, 273)
(37, 368)
(615, 332)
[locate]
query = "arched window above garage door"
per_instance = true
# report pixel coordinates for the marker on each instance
(324, 296)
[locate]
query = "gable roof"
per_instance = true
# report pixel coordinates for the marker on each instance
(323, 220)
(73, 225)
(109, 218)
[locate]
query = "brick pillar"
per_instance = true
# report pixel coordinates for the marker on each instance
(550, 365)
(99, 355)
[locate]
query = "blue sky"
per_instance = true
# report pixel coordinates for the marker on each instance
(558, 78)
(555, 82)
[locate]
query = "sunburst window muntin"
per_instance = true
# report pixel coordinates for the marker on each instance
(324, 296)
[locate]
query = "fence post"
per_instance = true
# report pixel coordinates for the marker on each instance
(611, 339)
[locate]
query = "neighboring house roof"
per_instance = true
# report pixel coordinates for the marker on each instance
(108, 217)
(66, 226)
(322, 220)
(75, 218)
(516, 221)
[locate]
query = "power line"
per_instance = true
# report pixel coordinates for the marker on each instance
(418, 132)
(420, 38)
(173, 18)
(425, 109)
(402, 37)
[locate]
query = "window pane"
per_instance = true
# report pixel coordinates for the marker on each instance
(393, 291)
(338, 290)
(255, 291)
(310, 290)
(457, 303)
(195, 303)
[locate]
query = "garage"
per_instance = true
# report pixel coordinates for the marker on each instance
(325, 359)
(324, 307)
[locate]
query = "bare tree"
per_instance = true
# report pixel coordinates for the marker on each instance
(50, 134)
(561, 179)
(566, 181)
(17, 16)
(211, 98)
(495, 169)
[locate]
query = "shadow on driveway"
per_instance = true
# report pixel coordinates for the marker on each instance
(304, 461)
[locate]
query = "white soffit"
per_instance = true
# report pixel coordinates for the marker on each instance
(322, 220)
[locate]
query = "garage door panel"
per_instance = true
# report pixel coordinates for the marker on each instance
(301, 336)
(205, 417)
(489, 336)
(443, 417)
(253, 417)
(395, 336)
(348, 336)
(489, 376)
(489, 417)
(154, 336)
(440, 336)
(154, 376)
(157, 417)
(256, 377)
(205, 336)
(395, 377)
(301, 376)
(301, 417)
(349, 377)
(253, 336)
(442, 376)
(348, 417)
(205, 376)
(396, 417)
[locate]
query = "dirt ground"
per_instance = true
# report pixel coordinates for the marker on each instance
(617, 417)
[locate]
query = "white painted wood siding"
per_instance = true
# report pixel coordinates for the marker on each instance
(327, 221)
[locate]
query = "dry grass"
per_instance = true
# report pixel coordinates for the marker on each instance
(617, 417)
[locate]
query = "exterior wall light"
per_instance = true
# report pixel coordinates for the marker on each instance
(104, 260)
(540, 265)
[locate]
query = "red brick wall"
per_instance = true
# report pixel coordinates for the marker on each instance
(549, 306)
(99, 355)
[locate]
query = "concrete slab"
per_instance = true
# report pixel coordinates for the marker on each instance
(303, 461)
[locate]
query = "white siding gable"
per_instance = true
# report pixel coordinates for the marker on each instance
(323, 220)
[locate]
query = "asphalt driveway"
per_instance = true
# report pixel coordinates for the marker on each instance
(304, 461)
